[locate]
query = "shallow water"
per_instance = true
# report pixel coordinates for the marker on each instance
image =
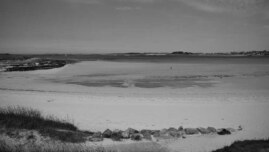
(154, 75)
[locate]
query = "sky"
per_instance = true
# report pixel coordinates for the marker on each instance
(114, 26)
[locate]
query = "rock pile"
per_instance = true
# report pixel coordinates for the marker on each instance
(133, 134)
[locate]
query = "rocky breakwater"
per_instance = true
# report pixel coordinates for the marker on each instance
(155, 135)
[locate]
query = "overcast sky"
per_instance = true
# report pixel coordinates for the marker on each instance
(106, 26)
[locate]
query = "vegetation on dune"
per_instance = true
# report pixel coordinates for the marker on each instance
(31, 119)
(247, 146)
(27, 118)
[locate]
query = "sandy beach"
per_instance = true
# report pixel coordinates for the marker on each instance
(230, 101)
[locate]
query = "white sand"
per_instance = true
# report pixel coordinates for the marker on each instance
(230, 103)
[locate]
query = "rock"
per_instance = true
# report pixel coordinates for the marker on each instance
(116, 135)
(145, 131)
(128, 132)
(125, 134)
(156, 133)
(172, 129)
(180, 128)
(136, 136)
(166, 134)
(146, 134)
(107, 133)
(191, 131)
(212, 129)
(132, 131)
(203, 130)
(175, 134)
(224, 132)
(240, 128)
(163, 131)
(231, 129)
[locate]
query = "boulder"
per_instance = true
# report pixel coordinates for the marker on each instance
(163, 131)
(224, 132)
(107, 133)
(180, 128)
(240, 128)
(203, 130)
(231, 129)
(136, 136)
(175, 134)
(125, 134)
(131, 131)
(172, 129)
(128, 132)
(146, 134)
(165, 134)
(146, 131)
(116, 135)
(156, 133)
(212, 129)
(191, 131)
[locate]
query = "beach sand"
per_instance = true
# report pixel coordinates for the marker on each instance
(233, 101)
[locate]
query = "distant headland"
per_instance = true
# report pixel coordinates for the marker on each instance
(29, 62)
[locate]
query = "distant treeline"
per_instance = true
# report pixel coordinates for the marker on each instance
(72, 58)
(244, 53)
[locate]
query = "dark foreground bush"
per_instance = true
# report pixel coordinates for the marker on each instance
(27, 118)
(247, 146)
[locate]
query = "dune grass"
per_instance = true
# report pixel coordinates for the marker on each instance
(28, 118)
(31, 119)
(247, 146)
